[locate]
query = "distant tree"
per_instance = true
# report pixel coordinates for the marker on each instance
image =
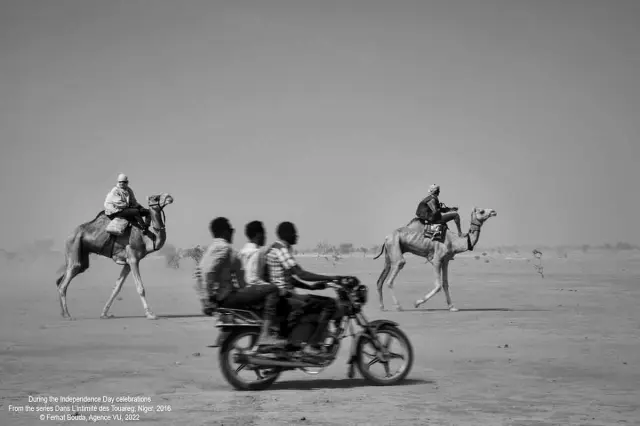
(363, 250)
(322, 248)
(623, 246)
(585, 248)
(345, 248)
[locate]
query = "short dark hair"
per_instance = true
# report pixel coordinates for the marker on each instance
(219, 226)
(285, 229)
(252, 229)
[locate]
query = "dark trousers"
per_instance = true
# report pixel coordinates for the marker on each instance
(132, 213)
(246, 297)
(309, 316)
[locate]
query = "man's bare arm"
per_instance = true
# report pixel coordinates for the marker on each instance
(301, 274)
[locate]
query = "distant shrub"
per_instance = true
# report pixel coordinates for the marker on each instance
(624, 246)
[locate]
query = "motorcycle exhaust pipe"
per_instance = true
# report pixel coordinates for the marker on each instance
(264, 362)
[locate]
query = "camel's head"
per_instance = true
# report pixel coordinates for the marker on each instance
(481, 215)
(159, 201)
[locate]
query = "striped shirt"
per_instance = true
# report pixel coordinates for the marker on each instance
(281, 262)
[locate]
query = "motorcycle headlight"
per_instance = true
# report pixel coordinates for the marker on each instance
(360, 294)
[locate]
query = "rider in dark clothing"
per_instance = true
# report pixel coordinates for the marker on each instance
(431, 211)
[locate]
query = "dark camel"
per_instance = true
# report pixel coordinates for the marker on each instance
(127, 249)
(411, 239)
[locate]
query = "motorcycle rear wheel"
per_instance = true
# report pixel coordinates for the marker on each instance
(229, 372)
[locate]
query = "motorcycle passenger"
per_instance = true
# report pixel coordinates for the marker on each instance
(253, 260)
(285, 272)
(219, 268)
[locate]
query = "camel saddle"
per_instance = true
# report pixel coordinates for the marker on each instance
(117, 226)
(435, 231)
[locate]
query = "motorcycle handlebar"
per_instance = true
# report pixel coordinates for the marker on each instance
(332, 284)
(335, 284)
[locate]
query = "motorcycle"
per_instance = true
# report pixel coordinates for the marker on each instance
(268, 364)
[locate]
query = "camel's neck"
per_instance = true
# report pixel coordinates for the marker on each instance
(158, 230)
(462, 244)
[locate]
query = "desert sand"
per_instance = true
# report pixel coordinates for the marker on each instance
(523, 350)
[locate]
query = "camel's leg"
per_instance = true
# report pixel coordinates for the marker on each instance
(445, 286)
(437, 267)
(394, 262)
(135, 269)
(381, 280)
(76, 263)
(70, 273)
(124, 273)
(394, 271)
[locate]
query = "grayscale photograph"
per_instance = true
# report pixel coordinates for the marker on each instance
(320, 212)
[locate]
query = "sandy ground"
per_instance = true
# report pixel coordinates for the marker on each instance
(563, 350)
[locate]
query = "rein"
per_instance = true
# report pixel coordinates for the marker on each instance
(474, 227)
(164, 221)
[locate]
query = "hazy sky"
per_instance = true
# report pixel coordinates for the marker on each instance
(336, 115)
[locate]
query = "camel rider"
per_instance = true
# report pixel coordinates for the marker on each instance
(431, 211)
(121, 202)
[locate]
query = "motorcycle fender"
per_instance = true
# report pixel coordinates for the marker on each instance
(373, 325)
(380, 322)
(225, 332)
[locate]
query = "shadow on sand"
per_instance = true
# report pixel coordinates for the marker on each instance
(479, 310)
(178, 316)
(160, 317)
(312, 383)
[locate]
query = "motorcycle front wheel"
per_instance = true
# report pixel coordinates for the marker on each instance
(259, 378)
(371, 355)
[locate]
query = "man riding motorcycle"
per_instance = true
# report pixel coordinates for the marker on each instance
(219, 267)
(285, 272)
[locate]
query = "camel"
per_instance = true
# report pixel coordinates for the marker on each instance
(411, 239)
(127, 250)
(194, 253)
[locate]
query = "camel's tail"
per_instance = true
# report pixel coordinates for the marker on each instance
(381, 251)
